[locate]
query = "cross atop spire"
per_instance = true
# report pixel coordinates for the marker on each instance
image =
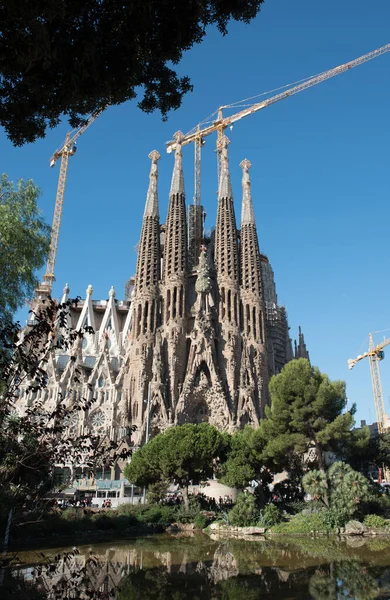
(225, 186)
(177, 185)
(247, 214)
(151, 206)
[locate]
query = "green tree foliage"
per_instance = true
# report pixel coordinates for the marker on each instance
(315, 483)
(32, 445)
(307, 409)
(270, 515)
(24, 243)
(182, 454)
(244, 458)
(348, 488)
(383, 445)
(343, 487)
(73, 58)
(244, 512)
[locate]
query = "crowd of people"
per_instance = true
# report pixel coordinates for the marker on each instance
(69, 503)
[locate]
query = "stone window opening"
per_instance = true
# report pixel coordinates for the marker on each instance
(168, 305)
(161, 316)
(152, 314)
(139, 317)
(145, 320)
(248, 319)
(181, 302)
(174, 302)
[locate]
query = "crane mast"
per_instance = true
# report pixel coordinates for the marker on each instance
(67, 149)
(375, 354)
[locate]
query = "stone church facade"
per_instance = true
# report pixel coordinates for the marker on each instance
(195, 340)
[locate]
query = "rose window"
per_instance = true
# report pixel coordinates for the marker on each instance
(71, 422)
(97, 421)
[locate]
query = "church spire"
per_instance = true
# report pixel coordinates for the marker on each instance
(148, 260)
(301, 348)
(175, 252)
(247, 214)
(226, 246)
(225, 186)
(250, 254)
(151, 206)
(177, 184)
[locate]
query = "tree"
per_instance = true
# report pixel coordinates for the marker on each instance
(74, 58)
(183, 454)
(244, 512)
(347, 488)
(33, 444)
(383, 445)
(243, 458)
(307, 410)
(24, 243)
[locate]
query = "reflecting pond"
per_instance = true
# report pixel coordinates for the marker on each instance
(201, 567)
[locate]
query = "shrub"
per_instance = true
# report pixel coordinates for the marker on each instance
(129, 509)
(244, 513)
(194, 510)
(270, 515)
(336, 517)
(163, 515)
(102, 521)
(200, 521)
(376, 505)
(72, 514)
(313, 523)
(375, 521)
(348, 488)
(296, 507)
(315, 483)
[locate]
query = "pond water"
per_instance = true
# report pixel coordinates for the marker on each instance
(201, 567)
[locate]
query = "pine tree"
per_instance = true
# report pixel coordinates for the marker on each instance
(307, 411)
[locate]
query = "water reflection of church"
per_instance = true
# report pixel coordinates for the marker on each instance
(192, 566)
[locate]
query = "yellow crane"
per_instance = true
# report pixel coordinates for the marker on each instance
(375, 354)
(67, 149)
(197, 134)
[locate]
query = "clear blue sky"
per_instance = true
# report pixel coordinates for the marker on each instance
(320, 174)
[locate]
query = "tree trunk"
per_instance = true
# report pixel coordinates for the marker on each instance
(321, 466)
(184, 493)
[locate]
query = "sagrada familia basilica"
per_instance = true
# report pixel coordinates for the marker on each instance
(196, 339)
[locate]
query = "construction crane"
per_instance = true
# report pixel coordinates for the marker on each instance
(202, 130)
(375, 354)
(67, 149)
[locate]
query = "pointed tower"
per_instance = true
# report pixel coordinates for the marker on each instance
(173, 306)
(226, 259)
(146, 293)
(145, 307)
(251, 286)
(175, 251)
(253, 384)
(300, 348)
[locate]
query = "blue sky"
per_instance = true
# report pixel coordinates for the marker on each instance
(320, 174)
